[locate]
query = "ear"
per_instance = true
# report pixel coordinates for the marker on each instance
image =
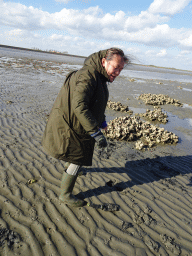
(103, 62)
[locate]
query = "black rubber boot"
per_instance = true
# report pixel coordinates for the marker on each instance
(67, 185)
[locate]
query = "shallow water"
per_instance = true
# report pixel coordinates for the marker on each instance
(187, 106)
(16, 53)
(180, 77)
(186, 89)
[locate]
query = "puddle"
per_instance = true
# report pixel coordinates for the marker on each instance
(137, 110)
(189, 120)
(175, 121)
(181, 127)
(76, 67)
(186, 89)
(187, 106)
(140, 81)
(136, 95)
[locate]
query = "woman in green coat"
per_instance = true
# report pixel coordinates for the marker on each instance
(77, 116)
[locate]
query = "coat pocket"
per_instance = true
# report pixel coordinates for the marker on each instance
(88, 148)
(74, 145)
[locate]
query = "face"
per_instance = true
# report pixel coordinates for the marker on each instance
(113, 66)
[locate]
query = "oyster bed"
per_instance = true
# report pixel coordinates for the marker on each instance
(155, 115)
(118, 106)
(133, 128)
(158, 99)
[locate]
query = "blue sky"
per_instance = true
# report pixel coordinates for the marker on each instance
(155, 32)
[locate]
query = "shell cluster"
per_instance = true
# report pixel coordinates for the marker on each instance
(132, 128)
(158, 99)
(156, 115)
(117, 106)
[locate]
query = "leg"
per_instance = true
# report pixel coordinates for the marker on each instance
(67, 185)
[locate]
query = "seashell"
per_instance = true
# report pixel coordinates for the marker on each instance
(139, 145)
(31, 181)
(132, 80)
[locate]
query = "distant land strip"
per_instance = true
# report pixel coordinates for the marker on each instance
(36, 50)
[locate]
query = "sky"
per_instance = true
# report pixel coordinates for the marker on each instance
(155, 32)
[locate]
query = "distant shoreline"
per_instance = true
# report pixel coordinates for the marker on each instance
(35, 50)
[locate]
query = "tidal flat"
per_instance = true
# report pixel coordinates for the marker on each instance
(153, 186)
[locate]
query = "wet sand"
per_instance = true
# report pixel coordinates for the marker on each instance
(152, 187)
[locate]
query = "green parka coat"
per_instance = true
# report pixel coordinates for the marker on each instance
(78, 111)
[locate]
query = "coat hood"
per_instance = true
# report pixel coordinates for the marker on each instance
(94, 60)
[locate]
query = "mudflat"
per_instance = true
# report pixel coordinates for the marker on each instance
(152, 187)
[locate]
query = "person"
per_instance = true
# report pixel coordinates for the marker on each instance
(77, 117)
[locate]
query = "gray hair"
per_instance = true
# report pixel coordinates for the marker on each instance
(116, 51)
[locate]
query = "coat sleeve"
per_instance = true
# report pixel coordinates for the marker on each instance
(83, 96)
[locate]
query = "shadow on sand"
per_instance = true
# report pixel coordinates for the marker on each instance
(143, 171)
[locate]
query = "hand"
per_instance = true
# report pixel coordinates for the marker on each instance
(100, 139)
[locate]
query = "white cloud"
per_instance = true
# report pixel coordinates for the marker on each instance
(16, 32)
(133, 50)
(20, 16)
(150, 52)
(162, 53)
(169, 7)
(160, 36)
(56, 37)
(143, 20)
(187, 42)
(146, 28)
(184, 53)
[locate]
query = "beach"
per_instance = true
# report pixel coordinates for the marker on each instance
(152, 187)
